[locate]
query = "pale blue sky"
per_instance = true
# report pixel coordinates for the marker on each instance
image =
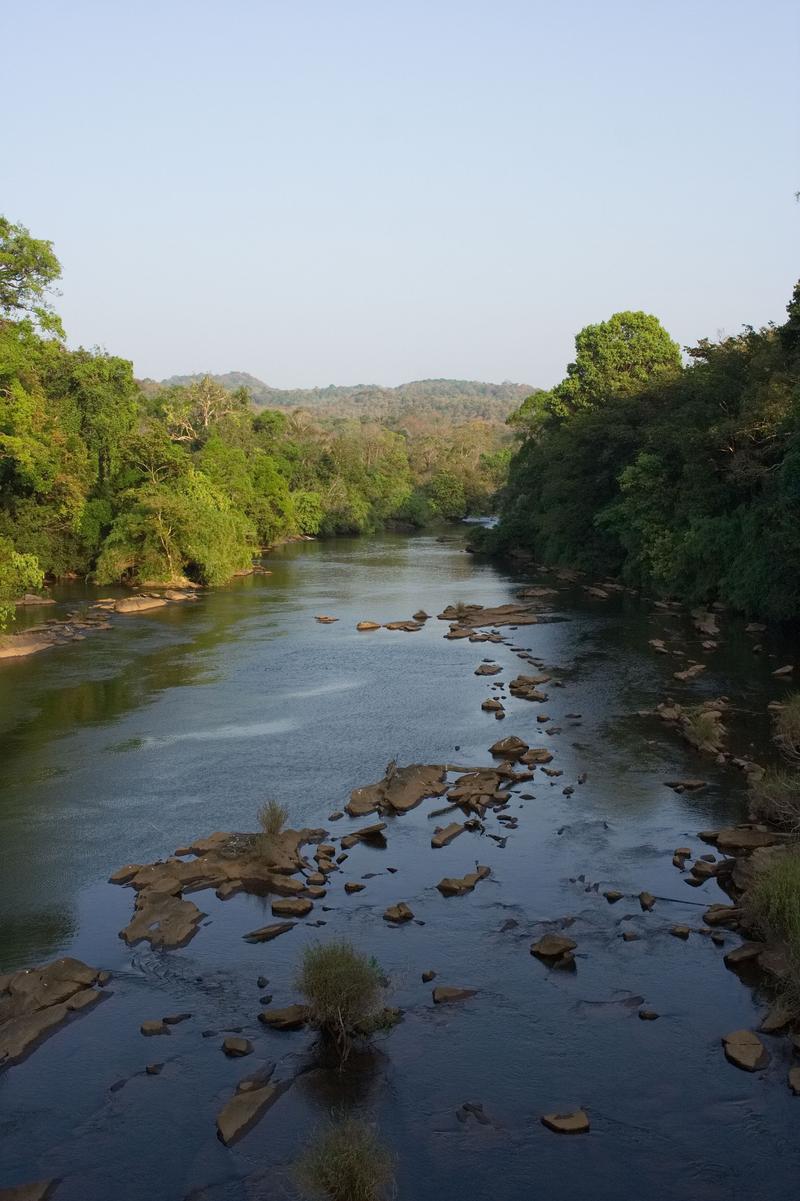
(323, 191)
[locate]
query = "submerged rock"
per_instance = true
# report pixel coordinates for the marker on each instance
(456, 887)
(400, 912)
(267, 933)
(444, 836)
(575, 1122)
(292, 1017)
(445, 994)
(553, 947)
(245, 1108)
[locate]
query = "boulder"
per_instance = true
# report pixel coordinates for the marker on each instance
(647, 901)
(745, 1050)
(244, 1109)
(552, 947)
(37, 1190)
(372, 833)
(292, 1017)
(154, 1026)
(162, 919)
(236, 1047)
(488, 669)
(445, 994)
(138, 604)
(443, 836)
(574, 1122)
(400, 912)
(680, 932)
(509, 748)
(421, 615)
(352, 886)
(368, 625)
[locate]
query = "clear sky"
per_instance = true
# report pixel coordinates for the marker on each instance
(341, 191)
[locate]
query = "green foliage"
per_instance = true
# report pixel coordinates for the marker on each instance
(28, 270)
(773, 905)
(345, 1162)
(775, 799)
(684, 480)
(342, 990)
(18, 574)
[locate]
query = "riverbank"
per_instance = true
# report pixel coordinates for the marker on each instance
(532, 1040)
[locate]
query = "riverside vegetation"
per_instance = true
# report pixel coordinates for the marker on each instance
(146, 484)
(679, 479)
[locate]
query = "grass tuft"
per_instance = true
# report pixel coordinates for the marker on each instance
(346, 1162)
(787, 727)
(773, 903)
(272, 817)
(342, 990)
(775, 799)
(703, 729)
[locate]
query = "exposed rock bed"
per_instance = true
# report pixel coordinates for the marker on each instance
(36, 1001)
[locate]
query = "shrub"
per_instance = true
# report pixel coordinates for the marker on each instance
(346, 1162)
(272, 816)
(775, 798)
(773, 903)
(787, 727)
(342, 990)
(703, 729)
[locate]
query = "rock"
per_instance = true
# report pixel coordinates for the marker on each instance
(743, 838)
(236, 1047)
(509, 748)
(612, 895)
(536, 755)
(154, 1026)
(784, 671)
(492, 705)
(722, 915)
(38, 1190)
(689, 674)
(524, 687)
(421, 615)
(30, 599)
(292, 1017)
(401, 789)
(138, 604)
(575, 1122)
(162, 919)
(794, 1080)
(444, 836)
(455, 887)
(630, 936)
(326, 621)
(428, 976)
(368, 625)
(154, 1069)
(244, 1109)
(746, 953)
(372, 833)
(292, 907)
(267, 933)
(777, 1018)
(408, 626)
(745, 1050)
(648, 1015)
(174, 1019)
(488, 669)
(470, 617)
(398, 913)
(351, 887)
(445, 994)
(647, 901)
(552, 947)
(680, 932)
(686, 785)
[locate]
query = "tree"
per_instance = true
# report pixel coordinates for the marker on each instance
(18, 574)
(28, 270)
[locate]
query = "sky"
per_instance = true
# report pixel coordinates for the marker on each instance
(342, 191)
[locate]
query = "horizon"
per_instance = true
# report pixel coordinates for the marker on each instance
(350, 192)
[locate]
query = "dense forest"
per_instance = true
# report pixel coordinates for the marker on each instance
(679, 477)
(108, 479)
(448, 399)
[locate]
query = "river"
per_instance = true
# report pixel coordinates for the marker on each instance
(183, 721)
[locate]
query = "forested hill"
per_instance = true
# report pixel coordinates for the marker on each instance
(454, 399)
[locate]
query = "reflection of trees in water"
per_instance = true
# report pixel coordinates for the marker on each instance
(32, 938)
(331, 1087)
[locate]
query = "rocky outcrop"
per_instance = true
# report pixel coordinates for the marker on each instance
(162, 919)
(401, 789)
(469, 617)
(138, 604)
(36, 1001)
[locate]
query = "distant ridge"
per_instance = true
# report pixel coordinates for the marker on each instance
(457, 398)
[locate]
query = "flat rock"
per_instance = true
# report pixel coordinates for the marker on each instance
(745, 1050)
(456, 887)
(292, 906)
(163, 920)
(400, 912)
(363, 626)
(444, 836)
(244, 1109)
(154, 1026)
(794, 1084)
(371, 833)
(37, 1190)
(746, 953)
(680, 932)
(267, 933)
(574, 1122)
(138, 604)
(445, 994)
(352, 886)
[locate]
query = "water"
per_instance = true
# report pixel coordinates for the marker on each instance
(182, 721)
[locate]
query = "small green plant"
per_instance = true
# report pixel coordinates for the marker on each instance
(773, 905)
(775, 799)
(703, 729)
(346, 1162)
(272, 817)
(787, 727)
(342, 990)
